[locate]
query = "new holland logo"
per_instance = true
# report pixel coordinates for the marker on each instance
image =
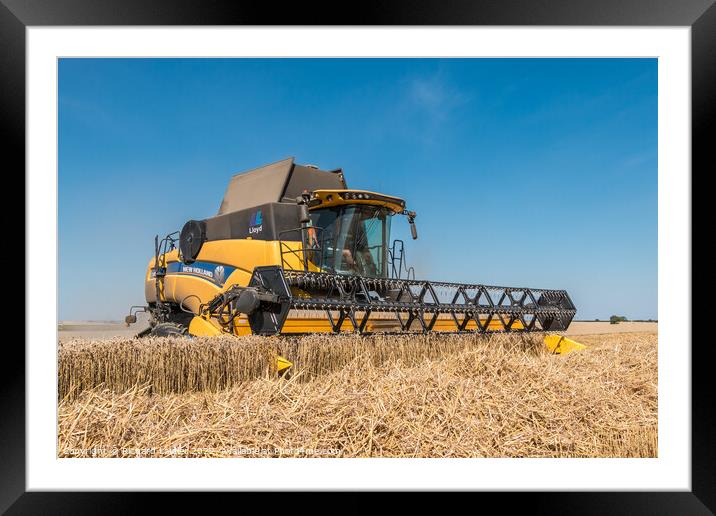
(219, 274)
(194, 269)
(256, 223)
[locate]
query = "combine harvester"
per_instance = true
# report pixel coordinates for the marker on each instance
(294, 251)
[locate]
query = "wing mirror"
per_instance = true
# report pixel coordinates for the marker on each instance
(411, 220)
(132, 317)
(303, 216)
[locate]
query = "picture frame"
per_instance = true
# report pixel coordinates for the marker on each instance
(700, 15)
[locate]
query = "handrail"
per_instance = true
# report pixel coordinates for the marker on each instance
(300, 252)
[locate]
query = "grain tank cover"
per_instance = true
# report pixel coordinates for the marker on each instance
(281, 181)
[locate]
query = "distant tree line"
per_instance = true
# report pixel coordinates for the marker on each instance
(616, 319)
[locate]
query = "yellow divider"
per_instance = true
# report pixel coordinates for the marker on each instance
(561, 345)
(282, 364)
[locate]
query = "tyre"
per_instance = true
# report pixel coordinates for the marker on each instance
(168, 329)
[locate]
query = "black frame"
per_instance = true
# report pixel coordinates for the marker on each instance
(700, 15)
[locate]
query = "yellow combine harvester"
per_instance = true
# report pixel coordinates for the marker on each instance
(293, 250)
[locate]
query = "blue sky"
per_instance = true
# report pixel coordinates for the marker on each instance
(524, 172)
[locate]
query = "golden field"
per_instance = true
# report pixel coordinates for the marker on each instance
(351, 396)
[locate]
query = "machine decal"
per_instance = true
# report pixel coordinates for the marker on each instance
(213, 272)
(219, 274)
(256, 223)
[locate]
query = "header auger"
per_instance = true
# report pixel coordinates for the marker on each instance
(293, 250)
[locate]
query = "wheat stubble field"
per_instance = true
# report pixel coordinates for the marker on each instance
(350, 396)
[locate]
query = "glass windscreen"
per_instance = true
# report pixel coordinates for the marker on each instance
(351, 240)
